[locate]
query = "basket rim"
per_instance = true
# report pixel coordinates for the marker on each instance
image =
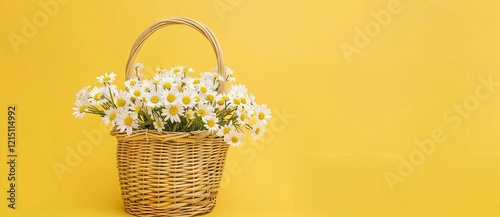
(141, 134)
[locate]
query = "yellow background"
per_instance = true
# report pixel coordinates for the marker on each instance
(348, 123)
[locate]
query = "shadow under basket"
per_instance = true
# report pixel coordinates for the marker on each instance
(169, 173)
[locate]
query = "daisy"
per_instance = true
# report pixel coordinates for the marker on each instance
(131, 83)
(204, 110)
(173, 112)
(139, 66)
(110, 116)
(154, 98)
(121, 99)
(126, 121)
(262, 113)
(167, 83)
(177, 69)
(238, 90)
(189, 114)
(211, 123)
(210, 96)
(171, 96)
(258, 130)
(158, 125)
(233, 138)
(226, 129)
(83, 94)
(108, 79)
(147, 85)
(80, 108)
(187, 98)
(135, 106)
(97, 96)
(136, 92)
(242, 116)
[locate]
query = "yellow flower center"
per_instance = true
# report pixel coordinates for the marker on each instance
(243, 100)
(97, 96)
(197, 98)
(112, 116)
(234, 139)
(186, 100)
(128, 121)
(225, 98)
(120, 102)
(154, 99)
(196, 81)
(106, 79)
(137, 93)
(211, 123)
(173, 110)
(82, 108)
(202, 112)
(226, 130)
(137, 109)
(257, 131)
(170, 97)
(236, 101)
(180, 89)
(242, 117)
(210, 97)
(148, 88)
(156, 81)
(220, 102)
(203, 89)
(189, 115)
(167, 85)
(176, 70)
(132, 83)
(262, 116)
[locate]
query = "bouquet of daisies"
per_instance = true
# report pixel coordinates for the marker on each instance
(172, 101)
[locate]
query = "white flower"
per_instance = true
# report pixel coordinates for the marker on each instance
(83, 94)
(226, 129)
(258, 130)
(233, 138)
(80, 108)
(131, 83)
(204, 110)
(187, 98)
(172, 96)
(155, 98)
(210, 96)
(238, 90)
(211, 123)
(167, 83)
(242, 116)
(189, 114)
(110, 116)
(97, 96)
(139, 66)
(126, 121)
(172, 112)
(147, 85)
(122, 99)
(262, 113)
(158, 125)
(136, 92)
(107, 78)
(135, 106)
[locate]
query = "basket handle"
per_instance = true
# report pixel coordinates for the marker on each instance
(176, 21)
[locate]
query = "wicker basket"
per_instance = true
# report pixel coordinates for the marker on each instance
(170, 173)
